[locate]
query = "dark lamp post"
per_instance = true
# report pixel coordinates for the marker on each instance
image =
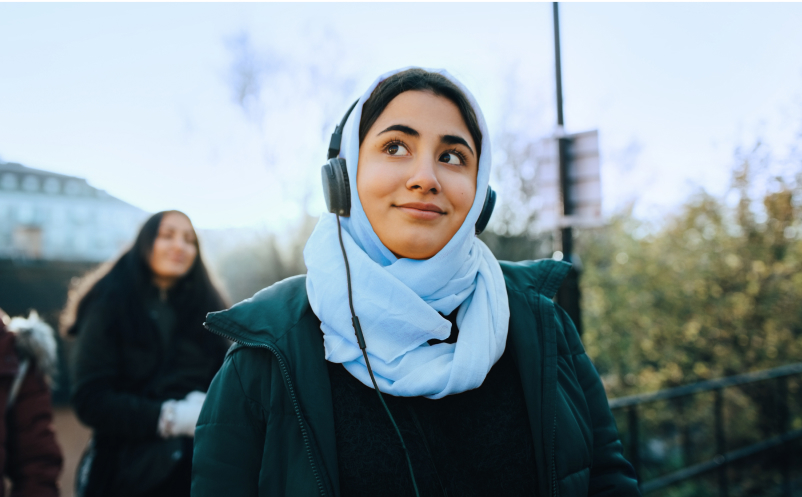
(568, 295)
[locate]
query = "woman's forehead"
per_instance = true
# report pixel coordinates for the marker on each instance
(427, 111)
(176, 220)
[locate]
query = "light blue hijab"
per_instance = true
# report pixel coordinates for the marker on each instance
(399, 301)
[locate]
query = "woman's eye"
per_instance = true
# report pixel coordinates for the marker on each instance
(396, 149)
(451, 158)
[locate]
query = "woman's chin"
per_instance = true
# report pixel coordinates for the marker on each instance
(419, 249)
(171, 272)
(412, 238)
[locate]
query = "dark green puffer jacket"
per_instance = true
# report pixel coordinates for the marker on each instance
(267, 425)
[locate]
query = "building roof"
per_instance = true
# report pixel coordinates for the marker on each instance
(19, 168)
(69, 185)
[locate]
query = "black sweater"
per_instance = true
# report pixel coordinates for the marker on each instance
(473, 443)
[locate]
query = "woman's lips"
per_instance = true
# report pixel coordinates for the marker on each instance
(419, 210)
(177, 259)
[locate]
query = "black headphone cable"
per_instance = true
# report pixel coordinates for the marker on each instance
(361, 340)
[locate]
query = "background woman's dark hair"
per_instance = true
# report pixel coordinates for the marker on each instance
(121, 287)
(419, 80)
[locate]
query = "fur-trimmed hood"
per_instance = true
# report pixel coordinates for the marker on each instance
(36, 341)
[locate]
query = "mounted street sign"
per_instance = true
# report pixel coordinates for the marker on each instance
(584, 188)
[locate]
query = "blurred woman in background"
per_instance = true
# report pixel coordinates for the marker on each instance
(143, 362)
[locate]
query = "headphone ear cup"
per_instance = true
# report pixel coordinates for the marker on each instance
(336, 187)
(487, 211)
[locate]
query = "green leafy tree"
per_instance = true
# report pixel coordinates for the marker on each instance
(716, 291)
(713, 291)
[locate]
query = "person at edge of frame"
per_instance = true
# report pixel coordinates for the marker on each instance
(485, 377)
(30, 456)
(142, 361)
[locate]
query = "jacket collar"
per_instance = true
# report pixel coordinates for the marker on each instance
(543, 276)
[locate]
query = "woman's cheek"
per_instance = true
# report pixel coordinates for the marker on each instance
(466, 194)
(191, 259)
(376, 183)
(156, 256)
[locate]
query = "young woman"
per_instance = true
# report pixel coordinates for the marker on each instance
(143, 361)
(485, 378)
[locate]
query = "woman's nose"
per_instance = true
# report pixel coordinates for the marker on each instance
(179, 244)
(424, 176)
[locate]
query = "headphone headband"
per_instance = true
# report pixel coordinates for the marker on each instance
(337, 136)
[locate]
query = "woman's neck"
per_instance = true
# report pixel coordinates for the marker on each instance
(163, 284)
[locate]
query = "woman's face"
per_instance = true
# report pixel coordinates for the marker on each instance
(174, 249)
(416, 176)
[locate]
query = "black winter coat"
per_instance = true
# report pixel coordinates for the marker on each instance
(122, 373)
(267, 425)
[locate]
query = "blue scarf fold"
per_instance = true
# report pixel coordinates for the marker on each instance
(400, 301)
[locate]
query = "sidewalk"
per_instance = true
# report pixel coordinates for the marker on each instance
(72, 437)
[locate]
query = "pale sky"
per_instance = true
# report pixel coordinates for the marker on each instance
(136, 98)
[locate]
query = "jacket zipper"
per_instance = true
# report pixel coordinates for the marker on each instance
(553, 457)
(296, 406)
(553, 472)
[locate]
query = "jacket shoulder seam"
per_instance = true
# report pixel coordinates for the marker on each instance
(551, 284)
(295, 324)
(242, 387)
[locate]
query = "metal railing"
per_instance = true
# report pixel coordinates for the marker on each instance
(722, 458)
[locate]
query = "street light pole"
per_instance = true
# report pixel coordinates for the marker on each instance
(568, 295)
(558, 65)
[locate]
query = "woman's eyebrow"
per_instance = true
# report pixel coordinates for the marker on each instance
(455, 140)
(404, 129)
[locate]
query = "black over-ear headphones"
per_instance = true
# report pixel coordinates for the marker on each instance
(337, 188)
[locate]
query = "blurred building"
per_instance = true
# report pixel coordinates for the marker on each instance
(54, 229)
(50, 216)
